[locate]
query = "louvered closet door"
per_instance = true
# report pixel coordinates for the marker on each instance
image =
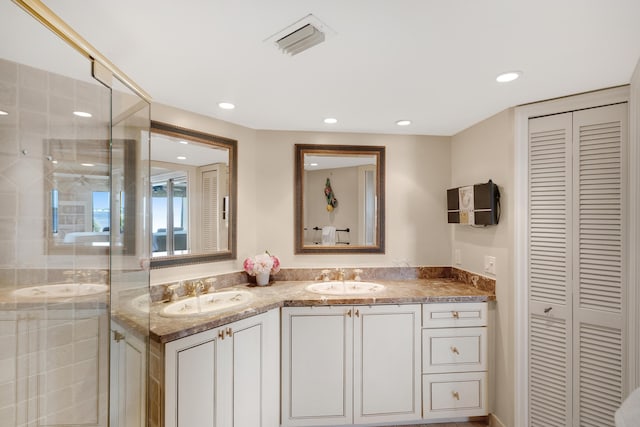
(599, 281)
(577, 285)
(550, 271)
(209, 223)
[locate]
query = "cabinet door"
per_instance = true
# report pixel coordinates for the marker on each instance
(128, 380)
(387, 363)
(256, 371)
(317, 350)
(192, 384)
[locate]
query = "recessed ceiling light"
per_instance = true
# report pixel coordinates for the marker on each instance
(82, 114)
(183, 142)
(313, 164)
(403, 122)
(226, 105)
(330, 121)
(3, 113)
(508, 77)
(89, 165)
(55, 162)
(181, 158)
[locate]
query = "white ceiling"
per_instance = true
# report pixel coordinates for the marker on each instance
(433, 62)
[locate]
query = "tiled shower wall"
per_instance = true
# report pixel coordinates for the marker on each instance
(53, 356)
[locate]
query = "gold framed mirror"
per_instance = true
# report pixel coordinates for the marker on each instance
(339, 199)
(193, 196)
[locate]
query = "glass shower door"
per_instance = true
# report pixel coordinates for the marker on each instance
(54, 258)
(73, 242)
(130, 252)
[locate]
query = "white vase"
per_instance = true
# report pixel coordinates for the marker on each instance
(262, 279)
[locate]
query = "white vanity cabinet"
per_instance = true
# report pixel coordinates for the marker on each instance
(454, 360)
(350, 365)
(225, 377)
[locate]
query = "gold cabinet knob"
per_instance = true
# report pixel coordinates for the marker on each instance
(349, 313)
(455, 314)
(221, 334)
(357, 313)
(229, 332)
(456, 395)
(454, 350)
(118, 336)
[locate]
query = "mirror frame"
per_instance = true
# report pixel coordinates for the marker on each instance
(218, 141)
(315, 149)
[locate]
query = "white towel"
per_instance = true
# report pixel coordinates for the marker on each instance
(328, 235)
(629, 413)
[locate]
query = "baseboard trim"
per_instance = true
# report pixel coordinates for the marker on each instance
(494, 421)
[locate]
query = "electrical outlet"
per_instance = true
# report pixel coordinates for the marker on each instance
(490, 264)
(457, 257)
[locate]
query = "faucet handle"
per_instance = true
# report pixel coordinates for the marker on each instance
(325, 275)
(199, 287)
(194, 288)
(357, 273)
(172, 291)
(207, 284)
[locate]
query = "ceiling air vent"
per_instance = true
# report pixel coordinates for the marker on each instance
(301, 35)
(300, 40)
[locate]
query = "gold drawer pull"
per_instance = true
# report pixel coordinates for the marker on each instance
(349, 313)
(456, 395)
(221, 334)
(229, 332)
(357, 313)
(455, 314)
(455, 350)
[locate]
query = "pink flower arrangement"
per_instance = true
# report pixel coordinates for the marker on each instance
(262, 263)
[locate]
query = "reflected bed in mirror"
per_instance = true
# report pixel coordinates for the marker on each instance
(78, 198)
(193, 196)
(339, 200)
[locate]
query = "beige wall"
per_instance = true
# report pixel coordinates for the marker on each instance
(479, 153)
(417, 175)
(247, 175)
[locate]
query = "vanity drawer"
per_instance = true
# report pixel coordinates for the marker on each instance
(454, 315)
(454, 350)
(454, 395)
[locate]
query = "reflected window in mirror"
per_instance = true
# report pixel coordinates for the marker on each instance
(193, 188)
(339, 199)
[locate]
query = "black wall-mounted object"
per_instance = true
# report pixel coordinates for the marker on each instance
(477, 204)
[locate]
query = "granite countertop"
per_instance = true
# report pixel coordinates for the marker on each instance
(294, 294)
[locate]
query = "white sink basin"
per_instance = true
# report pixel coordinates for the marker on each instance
(206, 304)
(63, 290)
(348, 287)
(142, 303)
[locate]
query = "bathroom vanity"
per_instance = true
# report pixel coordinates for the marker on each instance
(416, 350)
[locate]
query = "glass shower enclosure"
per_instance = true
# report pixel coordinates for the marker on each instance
(74, 250)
